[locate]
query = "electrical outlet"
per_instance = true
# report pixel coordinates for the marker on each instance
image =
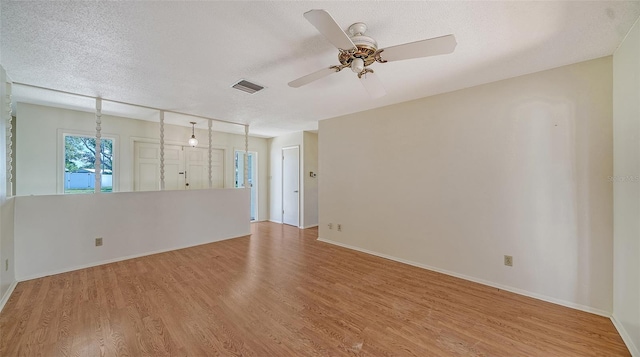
(330, 225)
(339, 227)
(98, 242)
(508, 260)
(6, 264)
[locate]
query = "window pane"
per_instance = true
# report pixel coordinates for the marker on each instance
(79, 164)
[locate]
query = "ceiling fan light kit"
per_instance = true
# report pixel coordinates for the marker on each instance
(359, 51)
(357, 65)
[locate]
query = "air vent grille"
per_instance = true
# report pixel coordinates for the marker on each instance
(247, 86)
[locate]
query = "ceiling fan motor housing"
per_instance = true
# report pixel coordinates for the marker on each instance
(366, 46)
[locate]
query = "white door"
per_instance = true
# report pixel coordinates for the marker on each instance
(173, 167)
(291, 185)
(147, 167)
(197, 168)
(183, 167)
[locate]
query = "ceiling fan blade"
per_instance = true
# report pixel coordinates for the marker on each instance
(373, 85)
(328, 27)
(425, 48)
(312, 77)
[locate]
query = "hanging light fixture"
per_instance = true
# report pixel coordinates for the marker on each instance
(193, 141)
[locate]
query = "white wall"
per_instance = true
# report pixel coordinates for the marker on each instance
(310, 163)
(626, 189)
(7, 276)
(455, 181)
(39, 148)
(57, 233)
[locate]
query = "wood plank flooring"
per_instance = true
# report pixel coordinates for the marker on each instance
(279, 292)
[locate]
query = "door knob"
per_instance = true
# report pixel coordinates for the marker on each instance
(296, 191)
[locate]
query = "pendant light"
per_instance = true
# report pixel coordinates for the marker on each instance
(193, 141)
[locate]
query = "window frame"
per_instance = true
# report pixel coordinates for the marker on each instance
(115, 165)
(255, 184)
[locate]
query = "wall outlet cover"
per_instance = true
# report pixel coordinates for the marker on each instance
(508, 260)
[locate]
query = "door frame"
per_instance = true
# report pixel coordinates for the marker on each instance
(135, 172)
(282, 184)
(255, 175)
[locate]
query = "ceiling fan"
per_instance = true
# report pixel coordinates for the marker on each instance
(359, 51)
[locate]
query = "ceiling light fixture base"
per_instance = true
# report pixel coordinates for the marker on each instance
(366, 48)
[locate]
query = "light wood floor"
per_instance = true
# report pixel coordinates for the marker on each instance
(280, 292)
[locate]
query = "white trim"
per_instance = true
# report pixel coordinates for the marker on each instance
(300, 183)
(108, 261)
(256, 176)
(60, 157)
(9, 139)
(245, 174)
(274, 221)
(162, 181)
(97, 159)
(310, 226)
(7, 294)
(625, 337)
(476, 280)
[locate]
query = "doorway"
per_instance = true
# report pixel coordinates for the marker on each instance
(252, 176)
(291, 186)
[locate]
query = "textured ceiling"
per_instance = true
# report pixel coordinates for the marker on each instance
(184, 56)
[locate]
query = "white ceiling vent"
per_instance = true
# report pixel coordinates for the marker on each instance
(247, 86)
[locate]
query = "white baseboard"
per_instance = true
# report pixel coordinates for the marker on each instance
(108, 261)
(625, 337)
(7, 295)
(301, 227)
(476, 280)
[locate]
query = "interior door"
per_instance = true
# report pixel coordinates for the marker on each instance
(173, 167)
(197, 166)
(184, 167)
(147, 167)
(291, 186)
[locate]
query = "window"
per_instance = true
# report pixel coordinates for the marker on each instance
(252, 160)
(79, 164)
